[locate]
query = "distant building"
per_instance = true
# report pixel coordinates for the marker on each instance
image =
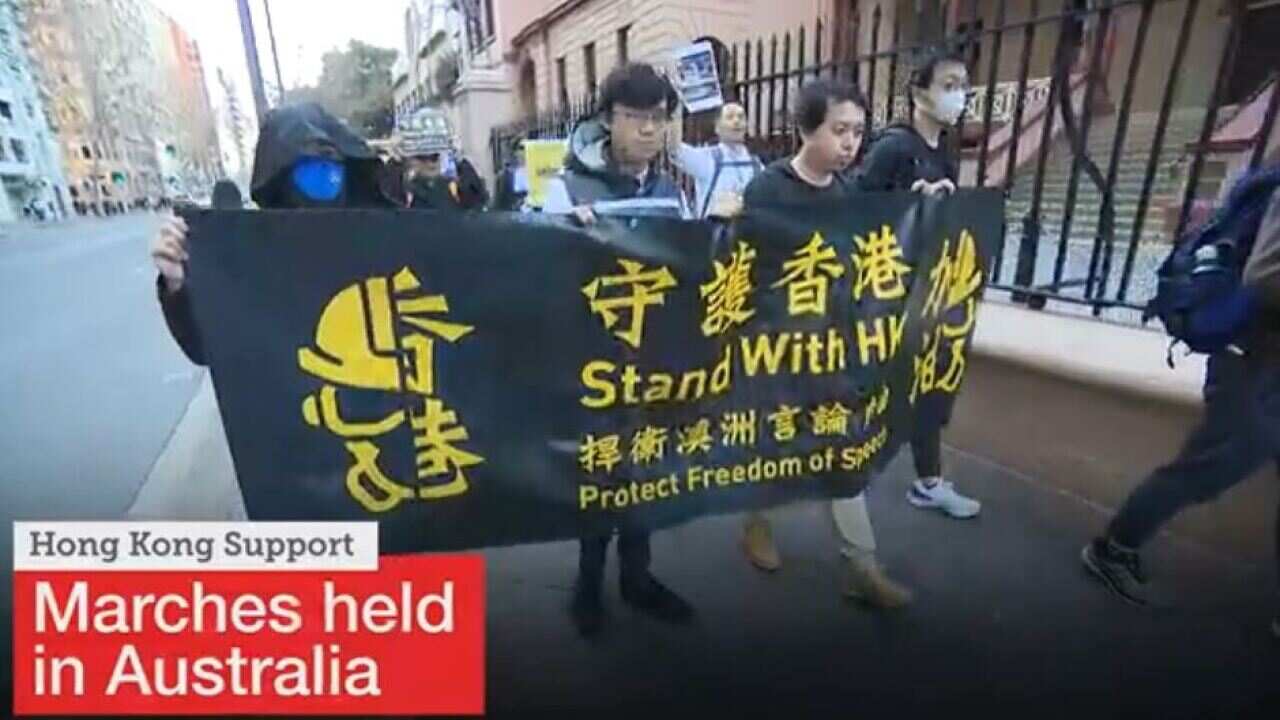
(126, 88)
(30, 157)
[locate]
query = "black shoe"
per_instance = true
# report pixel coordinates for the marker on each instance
(652, 598)
(587, 608)
(1120, 570)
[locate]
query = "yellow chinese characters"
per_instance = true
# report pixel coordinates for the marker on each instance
(879, 266)
(647, 288)
(376, 340)
(954, 283)
(738, 429)
(649, 445)
(831, 419)
(727, 294)
(695, 438)
(953, 297)
(784, 423)
(807, 275)
(600, 454)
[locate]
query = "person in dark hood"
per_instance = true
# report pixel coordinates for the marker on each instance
(305, 158)
(611, 169)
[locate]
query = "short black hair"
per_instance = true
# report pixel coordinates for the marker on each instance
(927, 61)
(816, 98)
(636, 85)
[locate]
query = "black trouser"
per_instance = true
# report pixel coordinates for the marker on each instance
(926, 449)
(1238, 433)
(633, 556)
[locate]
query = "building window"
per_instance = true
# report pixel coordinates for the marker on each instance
(479, 21)
(85, 152)
(489, 29)
(624, 52)
(5, 111)
(562, 77)
(3, 156)
(589, 66)
(19, 150)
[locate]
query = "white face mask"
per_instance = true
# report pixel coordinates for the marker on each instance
(949, 106)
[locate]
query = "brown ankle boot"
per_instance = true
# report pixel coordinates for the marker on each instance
(865, 580)
(757, 543)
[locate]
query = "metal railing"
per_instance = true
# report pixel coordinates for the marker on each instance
(1024, 122)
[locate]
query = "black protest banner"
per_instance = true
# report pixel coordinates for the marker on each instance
(481, 380)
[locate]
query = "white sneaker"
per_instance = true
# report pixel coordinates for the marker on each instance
(942, 496)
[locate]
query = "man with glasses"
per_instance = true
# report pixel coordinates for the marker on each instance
(610, 169)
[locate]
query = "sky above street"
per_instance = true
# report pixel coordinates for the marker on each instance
(305, 30)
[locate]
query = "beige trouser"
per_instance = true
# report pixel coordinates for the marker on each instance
(850, 523)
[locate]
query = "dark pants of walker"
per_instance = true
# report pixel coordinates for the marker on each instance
(633, 556)
(926, 449)
(1238, 433)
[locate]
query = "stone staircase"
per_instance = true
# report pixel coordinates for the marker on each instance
(1184, 126)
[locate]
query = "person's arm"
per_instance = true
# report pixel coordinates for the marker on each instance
(1262, 273)
(696, 162)
(178, 315)
(169, 254)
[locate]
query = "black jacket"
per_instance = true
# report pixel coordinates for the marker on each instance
(899, 156)
(472, 192)
(778, 184)
(505, 196)
(285, 134)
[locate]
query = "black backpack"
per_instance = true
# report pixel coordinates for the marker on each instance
(1200, 296)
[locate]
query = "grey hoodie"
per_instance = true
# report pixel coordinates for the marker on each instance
(589, 178)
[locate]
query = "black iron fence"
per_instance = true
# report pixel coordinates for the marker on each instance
(1097, 118)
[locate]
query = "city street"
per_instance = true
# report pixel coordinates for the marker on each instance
(1004, 616)
(92, 382)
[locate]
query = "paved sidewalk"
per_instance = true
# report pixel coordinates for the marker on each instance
(1005, 620)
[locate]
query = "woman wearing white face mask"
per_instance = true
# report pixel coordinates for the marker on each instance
(915, 157)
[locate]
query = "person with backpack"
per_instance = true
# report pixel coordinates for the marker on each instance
(1219, 292)
(915, 156)
(611, 169)
(720, 172)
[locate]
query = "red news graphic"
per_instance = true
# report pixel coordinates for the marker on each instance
(406, 638)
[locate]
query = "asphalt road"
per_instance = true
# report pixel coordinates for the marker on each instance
(92, 382)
